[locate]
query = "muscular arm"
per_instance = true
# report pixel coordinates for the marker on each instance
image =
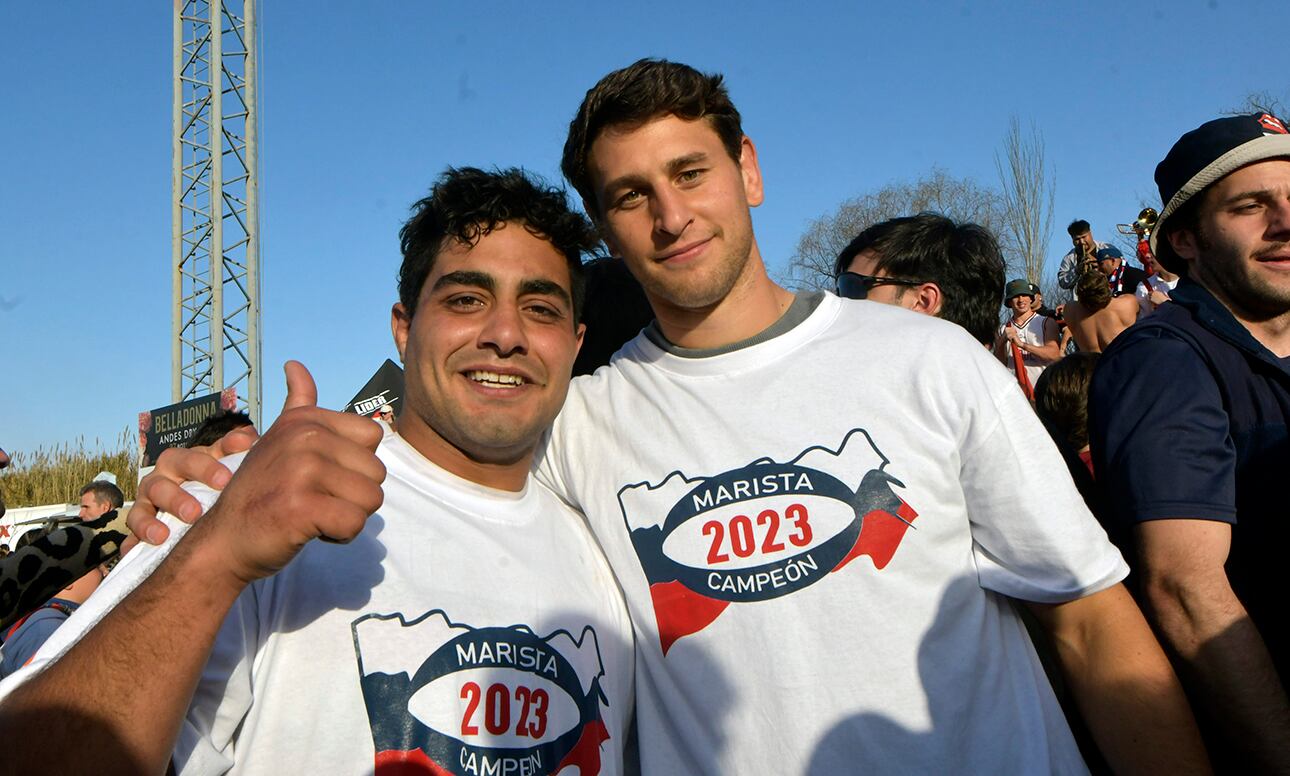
(1218, 650)
(1123, 684)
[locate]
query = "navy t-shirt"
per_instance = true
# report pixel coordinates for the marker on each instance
(1188, 419)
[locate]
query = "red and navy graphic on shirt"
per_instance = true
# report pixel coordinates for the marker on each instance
(446, 698)
(761, 531)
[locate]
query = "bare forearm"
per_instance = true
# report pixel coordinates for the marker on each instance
(1225, 663)
(1126, 690)
(1047, 353)
(122, 720)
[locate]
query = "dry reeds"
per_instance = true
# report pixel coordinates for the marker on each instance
(56, 476)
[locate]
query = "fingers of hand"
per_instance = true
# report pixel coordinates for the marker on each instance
(165, 495)
(235, 441)
(346, 425)
(352, 498)
(144, 524)
(179, 464)
(307, 457)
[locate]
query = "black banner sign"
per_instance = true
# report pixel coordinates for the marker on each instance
(174, 425)
(382, 396)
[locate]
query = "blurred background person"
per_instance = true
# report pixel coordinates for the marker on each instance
(23, 638)
(1158, 286)
(1095, 317)
(98, 498)
(1085, 250)
(1026, 335)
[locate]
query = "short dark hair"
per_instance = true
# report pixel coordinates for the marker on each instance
(963, 259)
(214, 428)
(467, 203)
(1092, 289)
(1077, 227)
(1061, 399)
(645, 90)
(105, 491)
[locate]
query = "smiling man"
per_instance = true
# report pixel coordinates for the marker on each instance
(816, 508)
(470, 626)
(1188, 428)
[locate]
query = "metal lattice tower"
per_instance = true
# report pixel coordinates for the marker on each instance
(215, 213)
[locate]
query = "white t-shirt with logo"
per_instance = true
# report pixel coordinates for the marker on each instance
(465, 629)
(815, 534)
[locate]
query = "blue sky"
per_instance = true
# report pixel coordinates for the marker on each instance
(364, 103)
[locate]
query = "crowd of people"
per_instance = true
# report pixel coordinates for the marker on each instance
(775, 532)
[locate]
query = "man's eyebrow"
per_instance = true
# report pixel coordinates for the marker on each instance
(1259, 194)
(674, 166)
(546, 288)
(466, 278)
(681, 162)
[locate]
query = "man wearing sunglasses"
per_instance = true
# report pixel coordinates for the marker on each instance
(928, 264)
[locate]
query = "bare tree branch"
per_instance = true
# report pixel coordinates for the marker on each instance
(1259, 102)
(1028, 190)
(938, 192)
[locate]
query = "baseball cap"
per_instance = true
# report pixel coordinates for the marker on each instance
(1018, 287)
(1206, 154)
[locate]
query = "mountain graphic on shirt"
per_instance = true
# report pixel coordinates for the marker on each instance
(449, 698)
(761, 531)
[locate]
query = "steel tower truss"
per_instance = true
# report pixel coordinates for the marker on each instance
(215, 213)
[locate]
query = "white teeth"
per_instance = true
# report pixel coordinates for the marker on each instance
(493, 379)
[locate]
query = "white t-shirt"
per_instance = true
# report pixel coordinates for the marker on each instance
(1153, 283)
(1037, 330)
(812, 533)
(471, 628)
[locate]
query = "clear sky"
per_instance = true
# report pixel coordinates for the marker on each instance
(364, 103)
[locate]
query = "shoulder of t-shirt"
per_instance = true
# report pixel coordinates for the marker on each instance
(1147, 354)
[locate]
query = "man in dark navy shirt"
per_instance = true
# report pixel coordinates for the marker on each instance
(1188, 429)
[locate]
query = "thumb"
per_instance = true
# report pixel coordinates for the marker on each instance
(301, 391)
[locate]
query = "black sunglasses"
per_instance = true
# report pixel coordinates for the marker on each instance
(853, 285)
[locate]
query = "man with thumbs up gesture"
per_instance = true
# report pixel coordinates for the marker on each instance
(456, 617)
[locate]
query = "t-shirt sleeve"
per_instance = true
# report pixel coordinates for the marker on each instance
(1033, 538)
(552, 465)
(1159, 436)
(1066, 272)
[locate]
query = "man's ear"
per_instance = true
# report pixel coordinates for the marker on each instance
(400, 324)
(1184, 243)
(579, 331)
(751, 172)
(929, 299)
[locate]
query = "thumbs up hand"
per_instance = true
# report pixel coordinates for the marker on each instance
(314, 474)
(160, 490)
